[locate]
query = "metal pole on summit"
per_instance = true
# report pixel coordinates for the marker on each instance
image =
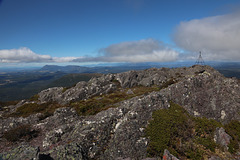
(200, 60)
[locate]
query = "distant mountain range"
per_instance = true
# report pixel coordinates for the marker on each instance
(66, 69)
(97, 69)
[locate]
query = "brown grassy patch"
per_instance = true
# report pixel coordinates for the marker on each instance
(47, 109)
(99, 103)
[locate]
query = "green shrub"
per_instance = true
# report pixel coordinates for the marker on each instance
(195, 154)
(174, 129)
(205, 127)
(233, 129)
(208, 143)
(23, 132)
(233, 146)
(166, 126)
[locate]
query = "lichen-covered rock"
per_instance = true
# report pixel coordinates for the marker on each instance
(20, 153)
(50, 94)
(69, 151)
(207, 94)
(62, 122)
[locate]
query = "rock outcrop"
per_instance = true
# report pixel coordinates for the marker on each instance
(118, 133)
(222, 138)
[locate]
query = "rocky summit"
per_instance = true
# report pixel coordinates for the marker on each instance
(179, 113)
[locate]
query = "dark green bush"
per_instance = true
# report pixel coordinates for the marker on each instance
(233, 146)
(233, 129)
(195, 154)
(207, 142)
(174, 129)
(166, 126)
(205, 126)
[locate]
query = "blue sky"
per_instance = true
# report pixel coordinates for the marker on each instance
(77, 31)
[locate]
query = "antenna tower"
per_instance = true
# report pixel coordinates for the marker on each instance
(200, 60)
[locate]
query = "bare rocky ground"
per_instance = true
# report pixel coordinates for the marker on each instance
(118, 130)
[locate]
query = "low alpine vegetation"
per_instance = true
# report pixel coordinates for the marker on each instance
(185, 136)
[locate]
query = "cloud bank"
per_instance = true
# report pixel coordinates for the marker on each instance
(146, 50)
(25, 55)
(217, 37)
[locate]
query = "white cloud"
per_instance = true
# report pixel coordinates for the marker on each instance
(146, 50)
(217, 37)
(22, 55)
(63, 59)
(25, 55)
